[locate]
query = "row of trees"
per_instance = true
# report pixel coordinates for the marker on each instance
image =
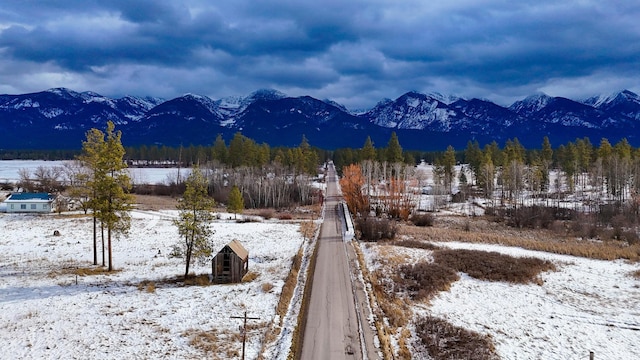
(610, 171)
(240, 152)
(392, 153)
(105, 185)
(596, 177)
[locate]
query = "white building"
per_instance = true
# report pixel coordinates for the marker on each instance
(29, 203)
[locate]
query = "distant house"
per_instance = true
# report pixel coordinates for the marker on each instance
(230, 264)
(29, 203)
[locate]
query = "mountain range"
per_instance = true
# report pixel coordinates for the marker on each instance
(59, 118)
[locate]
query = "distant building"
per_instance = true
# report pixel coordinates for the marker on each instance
(230, 264)
(29, 203)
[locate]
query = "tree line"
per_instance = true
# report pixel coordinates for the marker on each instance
(602, 181)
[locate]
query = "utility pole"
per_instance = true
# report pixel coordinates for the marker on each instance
(244, 328)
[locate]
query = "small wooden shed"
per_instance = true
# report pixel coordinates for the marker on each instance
(230, 264)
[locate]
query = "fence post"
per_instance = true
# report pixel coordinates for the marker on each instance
(591, 355)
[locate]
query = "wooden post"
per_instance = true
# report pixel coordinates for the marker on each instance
(591, 355)
(244, 329)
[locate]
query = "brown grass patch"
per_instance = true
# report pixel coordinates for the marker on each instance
(416, 244)
(443, 340)
(191, 280)
(540, 240)
(250, 276)
(197, 280)
(82, 271)
(284, 216)
(203, 340)
(266, 287)
(493, 266)
(423, 280)
(155, 202)
(148, 286)
(92, 271)
(289, 286)
(636, 274)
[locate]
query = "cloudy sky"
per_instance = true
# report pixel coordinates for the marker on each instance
(354, 52)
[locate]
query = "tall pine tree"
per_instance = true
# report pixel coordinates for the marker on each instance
(196, 212)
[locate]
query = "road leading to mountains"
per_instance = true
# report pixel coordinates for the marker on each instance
(333, 328)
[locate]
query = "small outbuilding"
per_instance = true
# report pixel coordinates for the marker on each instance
(29, 203)
(230, 264)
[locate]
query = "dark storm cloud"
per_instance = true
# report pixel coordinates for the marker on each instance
(356, 52)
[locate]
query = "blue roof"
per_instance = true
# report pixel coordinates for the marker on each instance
(29, 196)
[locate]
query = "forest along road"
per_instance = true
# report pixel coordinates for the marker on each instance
(333, 328)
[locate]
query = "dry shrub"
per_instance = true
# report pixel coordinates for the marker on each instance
(92, 271)
(250, 276)
(533, 217)
(493, 266)
(443, 340)
(422, 219)
(289, 285)
(148, 286)
(206, 341)
(267, 213)
(284, 216)
(248, 219)
(266, 287)
(403, 348)
(636, 274)
(375, 229)
(197, 280)
(423, 280)
(394, 309)
(416, 244)
(307, 229)
(381, 328)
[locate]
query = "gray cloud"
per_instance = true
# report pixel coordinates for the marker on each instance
(355, 52)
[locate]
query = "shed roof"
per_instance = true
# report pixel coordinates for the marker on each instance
(237, 248)
(29, 197)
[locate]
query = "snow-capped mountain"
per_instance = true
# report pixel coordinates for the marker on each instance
(59, 118)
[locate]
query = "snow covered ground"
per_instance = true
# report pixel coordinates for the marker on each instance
(45, 314)
(586, 305)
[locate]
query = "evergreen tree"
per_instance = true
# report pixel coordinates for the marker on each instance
(448, 163)
(92, 148)
(193, 221)
(394, 150)
(545, 161)
(368, 152)
(473, 157)
(236, 202)
(110, 183)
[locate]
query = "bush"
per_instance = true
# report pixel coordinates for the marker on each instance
(493, 266)
(423, 280)
(443, 340)
(532, 217)
(266, 287)
(375, 229)
(266, 213)
(284, 216)
(422, 219)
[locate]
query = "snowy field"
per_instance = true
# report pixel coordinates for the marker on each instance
(586, 305)
(9, 171)
(46, 314)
